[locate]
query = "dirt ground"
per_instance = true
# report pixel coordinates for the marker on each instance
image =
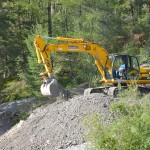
(56, 126)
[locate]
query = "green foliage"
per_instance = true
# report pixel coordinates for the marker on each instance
(21, 116)
(15, 26)
(144, 55)
(128, 130)
(14, 90)
(34, 68)
(112, 24)
(131, 92)
(67, 68)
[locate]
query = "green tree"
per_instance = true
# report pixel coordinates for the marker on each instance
(5, 25)
(34, 69)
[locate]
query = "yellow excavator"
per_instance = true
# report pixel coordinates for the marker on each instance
(115, 69)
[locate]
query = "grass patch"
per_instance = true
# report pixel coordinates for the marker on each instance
(16, 119)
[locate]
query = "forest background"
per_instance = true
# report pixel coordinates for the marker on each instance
(120, 26)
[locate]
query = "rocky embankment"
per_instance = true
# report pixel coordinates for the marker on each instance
(56, 126)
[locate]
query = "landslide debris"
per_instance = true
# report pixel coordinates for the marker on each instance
(55, 126)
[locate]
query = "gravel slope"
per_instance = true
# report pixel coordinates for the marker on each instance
(56, 126)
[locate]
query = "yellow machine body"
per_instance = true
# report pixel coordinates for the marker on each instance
(105, 65)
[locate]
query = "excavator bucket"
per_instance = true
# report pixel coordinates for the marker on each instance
(50, 87)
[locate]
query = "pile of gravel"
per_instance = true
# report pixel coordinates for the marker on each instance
(56, 126)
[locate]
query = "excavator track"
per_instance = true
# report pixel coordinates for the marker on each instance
(144, 88)
(113, 91)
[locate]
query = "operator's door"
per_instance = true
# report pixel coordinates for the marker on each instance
(133, 70)
(125, 67)
(119, 67)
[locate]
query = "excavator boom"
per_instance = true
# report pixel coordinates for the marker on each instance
(73, 45)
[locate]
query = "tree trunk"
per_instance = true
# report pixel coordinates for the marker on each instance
(49, 19)
(139, 10)
(131, 10)
(80, 14)
(148, 11)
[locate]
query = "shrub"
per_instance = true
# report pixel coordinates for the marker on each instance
(17, 118)
(14, 90)
(130, 128)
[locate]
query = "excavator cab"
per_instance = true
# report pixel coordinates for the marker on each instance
(124, 67)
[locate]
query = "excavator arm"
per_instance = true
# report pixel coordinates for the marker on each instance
(70, 45)
(43, 53)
